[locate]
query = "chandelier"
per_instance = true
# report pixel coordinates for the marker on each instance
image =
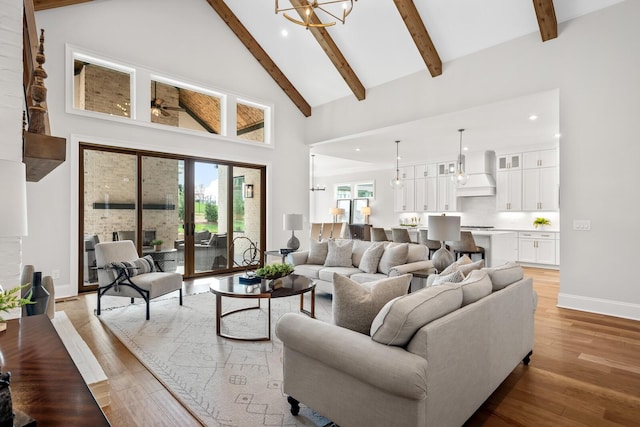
(307, 8)
(397, 182)
(313, 186)
(461, 176)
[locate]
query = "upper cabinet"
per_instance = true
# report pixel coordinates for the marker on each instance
(540, 159)
(406, 172)
(426, 193)
(509, 161)
(447, 168)
(426, 170)
(405, 197)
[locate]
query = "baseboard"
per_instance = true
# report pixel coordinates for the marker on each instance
(600, 306)
(65, 291)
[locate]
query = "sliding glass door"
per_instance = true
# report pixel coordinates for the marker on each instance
(193, 216)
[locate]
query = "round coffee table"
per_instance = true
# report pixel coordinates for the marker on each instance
(287, 286)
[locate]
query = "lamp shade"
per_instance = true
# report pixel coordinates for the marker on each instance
(337, 211)
(292, 222)
(442, 228)
(13, 195)
(365, 210)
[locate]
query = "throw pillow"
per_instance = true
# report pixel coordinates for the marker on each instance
(135, 267)
(417, 253)
(476, 286)
(339, 253)
(394, 254)
(504, 275)
(317, 252)
(371, 258)
(355, 305)
(462, 261)
(455, 277)
(401, 317)
(467, 268)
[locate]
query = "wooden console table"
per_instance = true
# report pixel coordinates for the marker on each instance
(45, 383)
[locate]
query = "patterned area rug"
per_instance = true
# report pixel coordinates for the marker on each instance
(222, 382)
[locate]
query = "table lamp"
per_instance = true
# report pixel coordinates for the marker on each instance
(336, 212)
(366, 211)
(292, 222)
(443, 228)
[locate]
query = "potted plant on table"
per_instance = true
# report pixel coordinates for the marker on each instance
(11, 299)
(541, 222)
(157, 244)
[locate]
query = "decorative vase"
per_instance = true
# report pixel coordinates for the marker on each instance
(39, 295)
(6, 408)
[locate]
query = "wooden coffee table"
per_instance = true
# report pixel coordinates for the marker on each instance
(287, 286)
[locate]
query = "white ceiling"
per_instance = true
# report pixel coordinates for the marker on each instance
(379, 48)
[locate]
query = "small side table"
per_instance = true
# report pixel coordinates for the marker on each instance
(276, 253)
(421, 275)
(166, 259)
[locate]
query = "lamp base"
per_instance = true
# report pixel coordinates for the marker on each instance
(442, 258)
(293, 242)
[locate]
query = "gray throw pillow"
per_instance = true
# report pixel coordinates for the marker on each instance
(339, 253)
(467, 268)
(476, 286)
(371, 258)
(504, 275)
(455, 277)
(317, 252)
(400, 318)
(394, 254)
(464, 259)
(355, 305)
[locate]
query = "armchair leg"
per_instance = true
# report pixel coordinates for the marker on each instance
(527, 358)
(98, 308)
(295, 405)
(131, 300)
(181, 296)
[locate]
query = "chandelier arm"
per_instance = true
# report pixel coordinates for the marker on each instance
(311, 7)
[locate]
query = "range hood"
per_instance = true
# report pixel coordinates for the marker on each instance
(479, 167)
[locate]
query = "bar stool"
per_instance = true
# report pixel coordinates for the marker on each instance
(400, 235)
(378, 234)
(433, 245)
(466, 246)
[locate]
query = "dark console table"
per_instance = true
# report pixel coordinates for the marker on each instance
(45, 383)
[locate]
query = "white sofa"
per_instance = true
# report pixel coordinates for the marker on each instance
(448, 368)
(417, 260)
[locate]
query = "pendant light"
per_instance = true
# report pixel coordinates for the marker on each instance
(313, 187)
(397, 182)
(461, 176)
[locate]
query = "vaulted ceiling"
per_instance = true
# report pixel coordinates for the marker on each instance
(381, 40)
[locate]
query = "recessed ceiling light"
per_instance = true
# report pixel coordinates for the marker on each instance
(465, 149)
(284, 32)
(533, 117)
(557, 135)
(357, 149)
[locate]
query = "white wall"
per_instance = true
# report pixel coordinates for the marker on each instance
(594, 62)
(158, 35)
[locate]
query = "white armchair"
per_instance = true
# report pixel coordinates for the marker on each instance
(132, 281)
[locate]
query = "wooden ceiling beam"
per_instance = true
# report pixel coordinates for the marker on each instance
(261, 56)
(52, 4)
(420, 35)
(331, 49)
(546, 14)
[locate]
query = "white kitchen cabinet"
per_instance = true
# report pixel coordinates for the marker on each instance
(540, 159)
(509, 190)
(509, 161)
(426, 170)
(404, 197)
(407, 172)
(447, 168)
(426, 193)
(540, 189)
(537, 247)
(447, 199)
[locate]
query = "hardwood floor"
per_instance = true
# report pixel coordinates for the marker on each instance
(585, 371)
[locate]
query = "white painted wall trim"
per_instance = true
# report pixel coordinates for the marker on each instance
(599, 306)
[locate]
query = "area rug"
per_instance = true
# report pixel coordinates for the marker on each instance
(222, 382)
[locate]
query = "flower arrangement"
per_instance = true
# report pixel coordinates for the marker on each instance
(540, 221)
(10, 299)
(274, 271)
(414, 221)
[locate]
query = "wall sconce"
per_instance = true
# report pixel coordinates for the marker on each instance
(248, 191)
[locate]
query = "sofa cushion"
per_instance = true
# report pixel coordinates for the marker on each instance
(504, 275)
(475, 287)
(359, 248)
(317, 252)
(367, 277)
(464, 259)
(394, 254)
(310, 270)
(355, 305)
(417, 252)
(438, 279)
(371, 258)
(467, 268)
(326, 273)
(339, 253)
(401, 317)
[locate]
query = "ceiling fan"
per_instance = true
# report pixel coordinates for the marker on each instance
(157, 104)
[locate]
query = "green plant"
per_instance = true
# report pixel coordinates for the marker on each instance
(156, 242)
(211, 212)
(274, 270)
(541, 221)
(9, 299)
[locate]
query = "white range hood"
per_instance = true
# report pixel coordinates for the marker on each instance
(479, 168)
